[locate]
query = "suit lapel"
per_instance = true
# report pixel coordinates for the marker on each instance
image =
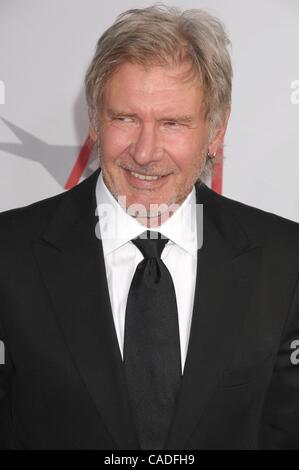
(226, 268)
(71, 262)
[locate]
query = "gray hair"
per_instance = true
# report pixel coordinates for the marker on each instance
(163, 35)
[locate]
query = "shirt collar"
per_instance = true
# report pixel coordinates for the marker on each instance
(117, 227)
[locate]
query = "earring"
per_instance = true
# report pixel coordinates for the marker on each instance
(209, 156)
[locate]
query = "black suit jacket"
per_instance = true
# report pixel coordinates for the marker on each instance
(63, 384)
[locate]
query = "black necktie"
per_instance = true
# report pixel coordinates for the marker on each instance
(152, 358)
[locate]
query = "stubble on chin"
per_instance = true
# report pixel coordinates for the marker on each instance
(180, 194)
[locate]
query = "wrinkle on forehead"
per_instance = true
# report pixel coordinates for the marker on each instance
(156, 88)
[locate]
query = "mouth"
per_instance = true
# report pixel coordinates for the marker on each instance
(139, 180)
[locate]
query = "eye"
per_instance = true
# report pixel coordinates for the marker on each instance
(172, 124)
(125, 119)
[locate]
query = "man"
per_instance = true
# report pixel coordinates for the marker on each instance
(119, 337)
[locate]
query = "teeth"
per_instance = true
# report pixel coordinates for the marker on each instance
(142, 177)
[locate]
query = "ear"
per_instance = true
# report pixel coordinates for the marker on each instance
(219, 134)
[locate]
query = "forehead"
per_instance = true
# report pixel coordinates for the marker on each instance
(153, 86)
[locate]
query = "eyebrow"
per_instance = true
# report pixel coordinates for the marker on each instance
(186, 118)
(113, 112)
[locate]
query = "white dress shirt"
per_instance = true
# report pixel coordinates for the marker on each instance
(117, 229)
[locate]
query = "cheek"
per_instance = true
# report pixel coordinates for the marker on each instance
(185, 152)
(114, 142)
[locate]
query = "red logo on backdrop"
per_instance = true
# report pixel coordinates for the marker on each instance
(80, 164)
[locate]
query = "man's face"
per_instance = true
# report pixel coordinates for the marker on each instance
(152, 123)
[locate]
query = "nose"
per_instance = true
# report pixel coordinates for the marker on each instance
(145, 149)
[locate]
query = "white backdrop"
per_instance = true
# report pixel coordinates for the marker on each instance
(46, 46)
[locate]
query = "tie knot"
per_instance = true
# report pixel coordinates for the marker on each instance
(150, 243)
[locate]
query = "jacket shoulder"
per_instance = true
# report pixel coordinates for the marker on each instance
(33, 218)
(22, 219)
(22, 225)
(261, 226)
(19, 226)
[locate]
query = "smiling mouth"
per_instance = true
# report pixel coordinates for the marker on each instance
(146, 177)
(140, 181)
